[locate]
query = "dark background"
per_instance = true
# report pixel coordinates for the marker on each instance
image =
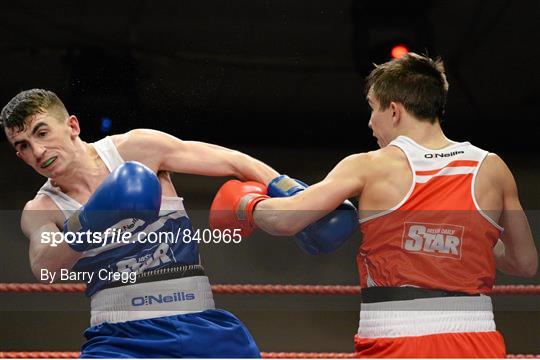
(282, 81)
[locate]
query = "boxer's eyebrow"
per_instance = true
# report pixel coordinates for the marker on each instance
(37, 126)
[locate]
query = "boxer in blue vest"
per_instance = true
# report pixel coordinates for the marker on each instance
(122, 183)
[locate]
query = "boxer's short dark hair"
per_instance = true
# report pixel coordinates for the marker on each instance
(27, 103)
(416, 81)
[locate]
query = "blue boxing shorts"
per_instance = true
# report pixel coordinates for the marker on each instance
(207, 334)
(172, 318)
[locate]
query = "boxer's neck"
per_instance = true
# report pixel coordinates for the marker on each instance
(426, 134)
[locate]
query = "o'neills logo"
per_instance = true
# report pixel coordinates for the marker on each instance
(160, 298)
(443, 155)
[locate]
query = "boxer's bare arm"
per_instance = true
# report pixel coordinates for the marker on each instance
(40, 215)
(515, 253)
(288, 216)
(161, 151)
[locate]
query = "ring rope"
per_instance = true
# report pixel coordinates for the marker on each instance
(243, 289)
(248, 289)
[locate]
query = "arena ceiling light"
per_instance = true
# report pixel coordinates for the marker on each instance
(398, 51)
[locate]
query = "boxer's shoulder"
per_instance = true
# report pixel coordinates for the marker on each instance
(385, 161)
(41, 202)
(493, 166)
(142, 145)
(494, 175)
(391, 153)
(137, 137)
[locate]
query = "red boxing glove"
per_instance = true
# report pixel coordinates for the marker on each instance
(233, 206)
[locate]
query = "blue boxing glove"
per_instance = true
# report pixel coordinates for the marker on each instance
(132, 190)
(325, 235)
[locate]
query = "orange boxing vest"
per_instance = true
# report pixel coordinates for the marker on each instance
(437, 237)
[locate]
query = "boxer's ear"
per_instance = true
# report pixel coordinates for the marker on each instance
(73, 124)
(396, 112)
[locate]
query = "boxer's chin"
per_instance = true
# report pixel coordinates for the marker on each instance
(52, 171)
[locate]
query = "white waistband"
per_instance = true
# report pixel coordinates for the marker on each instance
(151, 300)
(426, 316)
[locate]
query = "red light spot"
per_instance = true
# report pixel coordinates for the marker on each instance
(398, 51)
